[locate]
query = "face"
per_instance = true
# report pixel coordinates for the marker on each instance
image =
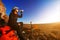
(16, 11)
(2, 11)
(19, 24)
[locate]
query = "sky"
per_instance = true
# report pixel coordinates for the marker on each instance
(37, 11)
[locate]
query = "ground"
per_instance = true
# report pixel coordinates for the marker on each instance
(49, 31)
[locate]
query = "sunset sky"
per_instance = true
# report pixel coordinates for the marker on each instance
(37, 11)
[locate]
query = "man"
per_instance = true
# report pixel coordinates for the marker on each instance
(3, 12)
(12, 22)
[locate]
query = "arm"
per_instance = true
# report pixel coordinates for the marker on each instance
(20, 16)
(21, 11)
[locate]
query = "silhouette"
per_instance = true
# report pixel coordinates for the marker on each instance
(12, 22)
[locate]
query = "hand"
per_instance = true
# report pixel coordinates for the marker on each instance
(21, 11)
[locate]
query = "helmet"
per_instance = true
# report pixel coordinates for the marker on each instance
(16, 8)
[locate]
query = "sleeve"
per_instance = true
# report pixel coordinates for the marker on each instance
(20, 16)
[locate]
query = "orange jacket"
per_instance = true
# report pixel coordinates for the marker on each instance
(7, 34)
